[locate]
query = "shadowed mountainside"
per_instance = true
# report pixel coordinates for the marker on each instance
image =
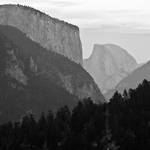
(34, 79)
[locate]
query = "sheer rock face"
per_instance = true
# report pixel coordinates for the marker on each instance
(108, 65)
(49, 32)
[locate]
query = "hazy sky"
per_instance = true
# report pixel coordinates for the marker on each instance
(123, 22)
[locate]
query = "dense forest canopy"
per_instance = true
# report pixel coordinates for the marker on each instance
(123, 124)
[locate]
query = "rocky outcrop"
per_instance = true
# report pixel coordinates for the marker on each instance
(108, 65)
(50, 33)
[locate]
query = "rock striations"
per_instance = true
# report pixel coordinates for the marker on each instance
(108, 65)
(51, 33)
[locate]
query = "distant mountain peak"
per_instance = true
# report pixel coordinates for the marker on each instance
(109, 64)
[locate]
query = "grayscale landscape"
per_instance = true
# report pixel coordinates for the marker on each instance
(74, 75)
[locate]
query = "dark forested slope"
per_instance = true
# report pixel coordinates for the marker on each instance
(36, 80)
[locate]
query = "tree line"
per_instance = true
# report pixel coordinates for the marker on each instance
(129, 118)
(121, 124)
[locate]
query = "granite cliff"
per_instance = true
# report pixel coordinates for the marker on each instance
(108, 65)
(49, 32)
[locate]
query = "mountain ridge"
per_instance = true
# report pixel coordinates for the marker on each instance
(67, 73)
(132, 80)
(40, 12)
(33, 79)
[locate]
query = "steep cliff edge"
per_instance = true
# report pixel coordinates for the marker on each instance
(49, 32)
(108, 65)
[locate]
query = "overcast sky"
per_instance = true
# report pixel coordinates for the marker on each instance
(123, 22)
